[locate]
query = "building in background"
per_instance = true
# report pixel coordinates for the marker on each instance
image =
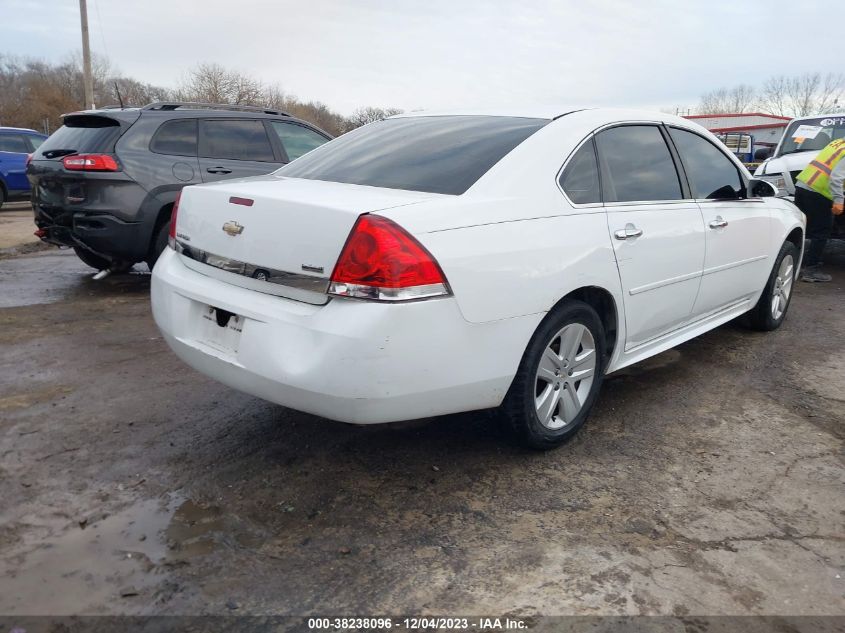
(765, 128)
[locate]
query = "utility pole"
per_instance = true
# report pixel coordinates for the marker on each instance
(87, 78)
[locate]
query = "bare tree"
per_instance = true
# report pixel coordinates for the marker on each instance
(369, 114)
(773, 97)
(734, 100)
(213, 83)
(802, 95)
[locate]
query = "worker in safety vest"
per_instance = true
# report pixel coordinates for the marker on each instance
(818, 193)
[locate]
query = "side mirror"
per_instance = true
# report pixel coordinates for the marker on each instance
(763, 153)
(761, 189)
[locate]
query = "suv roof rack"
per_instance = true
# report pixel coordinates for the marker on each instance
(190, 105)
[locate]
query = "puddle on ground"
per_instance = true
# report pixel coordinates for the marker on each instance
(63, 569)
(54, 276)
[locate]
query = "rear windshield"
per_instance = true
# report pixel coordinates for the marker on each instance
(82, 134)
(443, 154)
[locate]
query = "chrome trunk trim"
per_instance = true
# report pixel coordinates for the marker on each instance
(254, 271)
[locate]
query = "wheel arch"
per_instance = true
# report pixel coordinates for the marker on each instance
(796, 236)
(604, 303)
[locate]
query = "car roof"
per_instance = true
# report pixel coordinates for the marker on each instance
(556, 112)
(131, 113)
(19, 129)
(832, 115)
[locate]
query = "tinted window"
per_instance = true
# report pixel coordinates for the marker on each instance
(13, 143)
(236, 140)
(434, 154)
(639, 164)
(176, 137)
(83, 133)
(296, 139)
(711, 174)
(580, 179)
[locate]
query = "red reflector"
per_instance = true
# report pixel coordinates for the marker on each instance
(247, 202)
(171, 236)
(90, 162)
(40, 233)
(381, 260)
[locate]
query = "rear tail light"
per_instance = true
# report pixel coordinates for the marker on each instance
(28, 159)
(90, 162)
(171, 236)
(382, 261)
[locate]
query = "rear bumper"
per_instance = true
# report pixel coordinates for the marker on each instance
(350, 361)
(105, 235)
(108, 213)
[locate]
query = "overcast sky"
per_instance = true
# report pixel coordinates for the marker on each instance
(439, 53)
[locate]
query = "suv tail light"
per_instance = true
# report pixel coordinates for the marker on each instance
(171, 235)
(382, 261)
(28, 159)
(90, 162)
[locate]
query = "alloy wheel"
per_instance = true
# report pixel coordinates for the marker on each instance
(782, 287)
(565, 375)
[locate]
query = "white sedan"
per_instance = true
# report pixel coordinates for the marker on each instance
(435, 263)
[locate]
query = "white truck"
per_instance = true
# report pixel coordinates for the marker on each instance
(804, 138)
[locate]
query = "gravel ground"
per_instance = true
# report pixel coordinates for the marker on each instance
(708, 481)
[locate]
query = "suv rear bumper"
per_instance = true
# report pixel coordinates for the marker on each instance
(105, 235)
(106, 213)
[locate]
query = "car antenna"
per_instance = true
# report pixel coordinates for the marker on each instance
(119, 100)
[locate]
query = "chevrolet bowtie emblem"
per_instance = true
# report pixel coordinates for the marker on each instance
(233, 228)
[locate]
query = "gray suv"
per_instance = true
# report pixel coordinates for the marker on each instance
(105, 182)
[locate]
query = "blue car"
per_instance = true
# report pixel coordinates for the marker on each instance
(16, 144)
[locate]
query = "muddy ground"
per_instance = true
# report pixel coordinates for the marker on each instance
(709, 480)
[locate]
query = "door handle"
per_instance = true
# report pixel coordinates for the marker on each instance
(630, 231)
(718, 223)
(218, 170)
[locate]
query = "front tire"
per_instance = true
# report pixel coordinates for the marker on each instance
(771, 308)
(558, 378)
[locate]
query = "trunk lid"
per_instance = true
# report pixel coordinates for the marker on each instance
(273, 234)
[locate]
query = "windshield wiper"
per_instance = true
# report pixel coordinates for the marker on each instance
(796, 151)
(55, 153)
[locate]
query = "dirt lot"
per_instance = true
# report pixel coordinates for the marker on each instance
(708, 481)
(16, 229)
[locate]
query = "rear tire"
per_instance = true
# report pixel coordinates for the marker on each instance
(2, 196)
(158, 245)
(771, 308)
(558, 378)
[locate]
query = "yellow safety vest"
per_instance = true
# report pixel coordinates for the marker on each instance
(817, 174)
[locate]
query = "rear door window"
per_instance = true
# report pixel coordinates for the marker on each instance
(711, 174)
(580, 179)
(177, 137)
(297, 139)
(235, 139)
(638, 165)
(13, 143)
